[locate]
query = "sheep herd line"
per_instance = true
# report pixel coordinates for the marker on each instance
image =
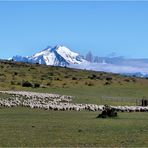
(55, 102)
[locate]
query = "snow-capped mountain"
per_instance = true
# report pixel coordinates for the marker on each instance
(56, 56)
(63, 56)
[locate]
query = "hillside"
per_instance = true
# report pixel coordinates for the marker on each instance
(85, 86)
(71, 128)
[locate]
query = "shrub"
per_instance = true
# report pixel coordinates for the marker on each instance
(64, 84)
(108, 112)
(12, 83)
(90, 84)
(66, 76)
(48, 84)
(92, 77)
(36, 85)
(107, 83)
(50, 78)
(58, 79)
(133, 79)
(74, 78)
(76, 82)
(109, 78)
(15, 73)
(27, 84)
(18, 83)
(126, 80)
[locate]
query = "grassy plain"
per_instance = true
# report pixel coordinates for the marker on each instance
(25, 127)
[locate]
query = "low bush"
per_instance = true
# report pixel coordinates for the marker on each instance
(27, 84)
(58, 79)
(48, 84)
(18, 83)
(107, 83)
(94, 77)
(109, 78)
(74, 78)
(36, 85)
(15, 73)
(89, 83)
(127, 80)
(66, 76)
(12, 82)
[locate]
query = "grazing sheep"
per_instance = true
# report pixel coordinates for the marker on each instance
(56, 102)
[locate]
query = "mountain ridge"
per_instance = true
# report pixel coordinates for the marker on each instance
(56, 56)
(60, 55)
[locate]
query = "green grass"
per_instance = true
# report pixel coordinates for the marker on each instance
(26, 127)
(60, 80)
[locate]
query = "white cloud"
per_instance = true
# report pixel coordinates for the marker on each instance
(112, 68)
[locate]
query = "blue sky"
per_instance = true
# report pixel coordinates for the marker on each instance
(102, 27)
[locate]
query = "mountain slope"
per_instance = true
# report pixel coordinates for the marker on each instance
(56, 56)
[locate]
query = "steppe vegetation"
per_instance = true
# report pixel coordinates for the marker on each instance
(85, 86)
(21, 126)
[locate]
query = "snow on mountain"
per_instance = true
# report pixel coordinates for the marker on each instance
(70, 56)
(63, 56)
(56, 56)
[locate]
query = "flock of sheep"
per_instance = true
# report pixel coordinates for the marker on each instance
(55, 102)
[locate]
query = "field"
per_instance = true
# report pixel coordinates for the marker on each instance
(25, 127)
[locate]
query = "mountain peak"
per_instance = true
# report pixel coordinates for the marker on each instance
(58, 55)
